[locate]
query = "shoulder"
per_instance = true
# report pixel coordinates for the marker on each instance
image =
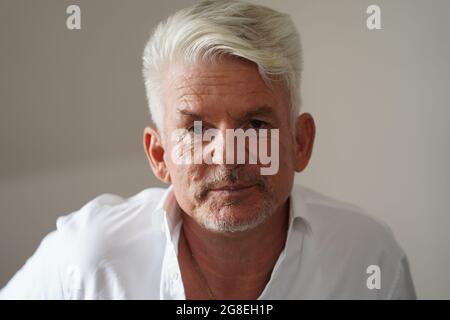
(107, 226)
(347, 243)
(339, 231)
(331, 218)
(107, 209)
(109, 233)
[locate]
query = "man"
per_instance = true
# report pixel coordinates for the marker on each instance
(225, 228)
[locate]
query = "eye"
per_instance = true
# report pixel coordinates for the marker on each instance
(257, 124)
(194, 129)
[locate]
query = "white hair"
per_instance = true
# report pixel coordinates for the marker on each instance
(211, 29)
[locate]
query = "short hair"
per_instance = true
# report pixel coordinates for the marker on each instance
(210, 29)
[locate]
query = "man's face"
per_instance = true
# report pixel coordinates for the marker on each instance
(227, 94)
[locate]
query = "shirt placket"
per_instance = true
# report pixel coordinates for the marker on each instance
(171, 286)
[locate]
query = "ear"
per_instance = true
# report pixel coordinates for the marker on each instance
(155, 154)
(305, 132)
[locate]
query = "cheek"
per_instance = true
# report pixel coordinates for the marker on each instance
(185, 178)
(183, 175)
(187, 181)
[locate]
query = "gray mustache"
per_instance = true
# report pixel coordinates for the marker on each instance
(231, 176)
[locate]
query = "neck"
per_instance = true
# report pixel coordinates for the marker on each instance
(237, 265)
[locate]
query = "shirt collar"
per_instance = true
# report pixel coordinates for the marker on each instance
(298, 210)
(169, 205)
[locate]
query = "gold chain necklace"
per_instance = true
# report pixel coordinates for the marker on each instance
(197, 267)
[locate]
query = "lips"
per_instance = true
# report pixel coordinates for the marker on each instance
(232, 187)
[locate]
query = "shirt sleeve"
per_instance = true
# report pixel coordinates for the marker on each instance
(40, 277)
(403, 288)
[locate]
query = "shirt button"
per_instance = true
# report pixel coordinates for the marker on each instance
(175, 276)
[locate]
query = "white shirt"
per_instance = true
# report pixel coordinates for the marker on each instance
(115, 248)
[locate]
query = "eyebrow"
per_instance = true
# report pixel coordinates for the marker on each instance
(263, 110)
(186, 112)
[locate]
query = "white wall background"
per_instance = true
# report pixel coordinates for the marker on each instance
(73, 105)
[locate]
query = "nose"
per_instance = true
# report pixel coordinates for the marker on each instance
(226, 149)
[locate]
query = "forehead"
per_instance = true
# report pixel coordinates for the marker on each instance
(228, 85)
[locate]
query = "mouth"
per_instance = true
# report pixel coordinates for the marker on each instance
(232, 188)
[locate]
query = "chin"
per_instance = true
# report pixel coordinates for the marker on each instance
(235, 218)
